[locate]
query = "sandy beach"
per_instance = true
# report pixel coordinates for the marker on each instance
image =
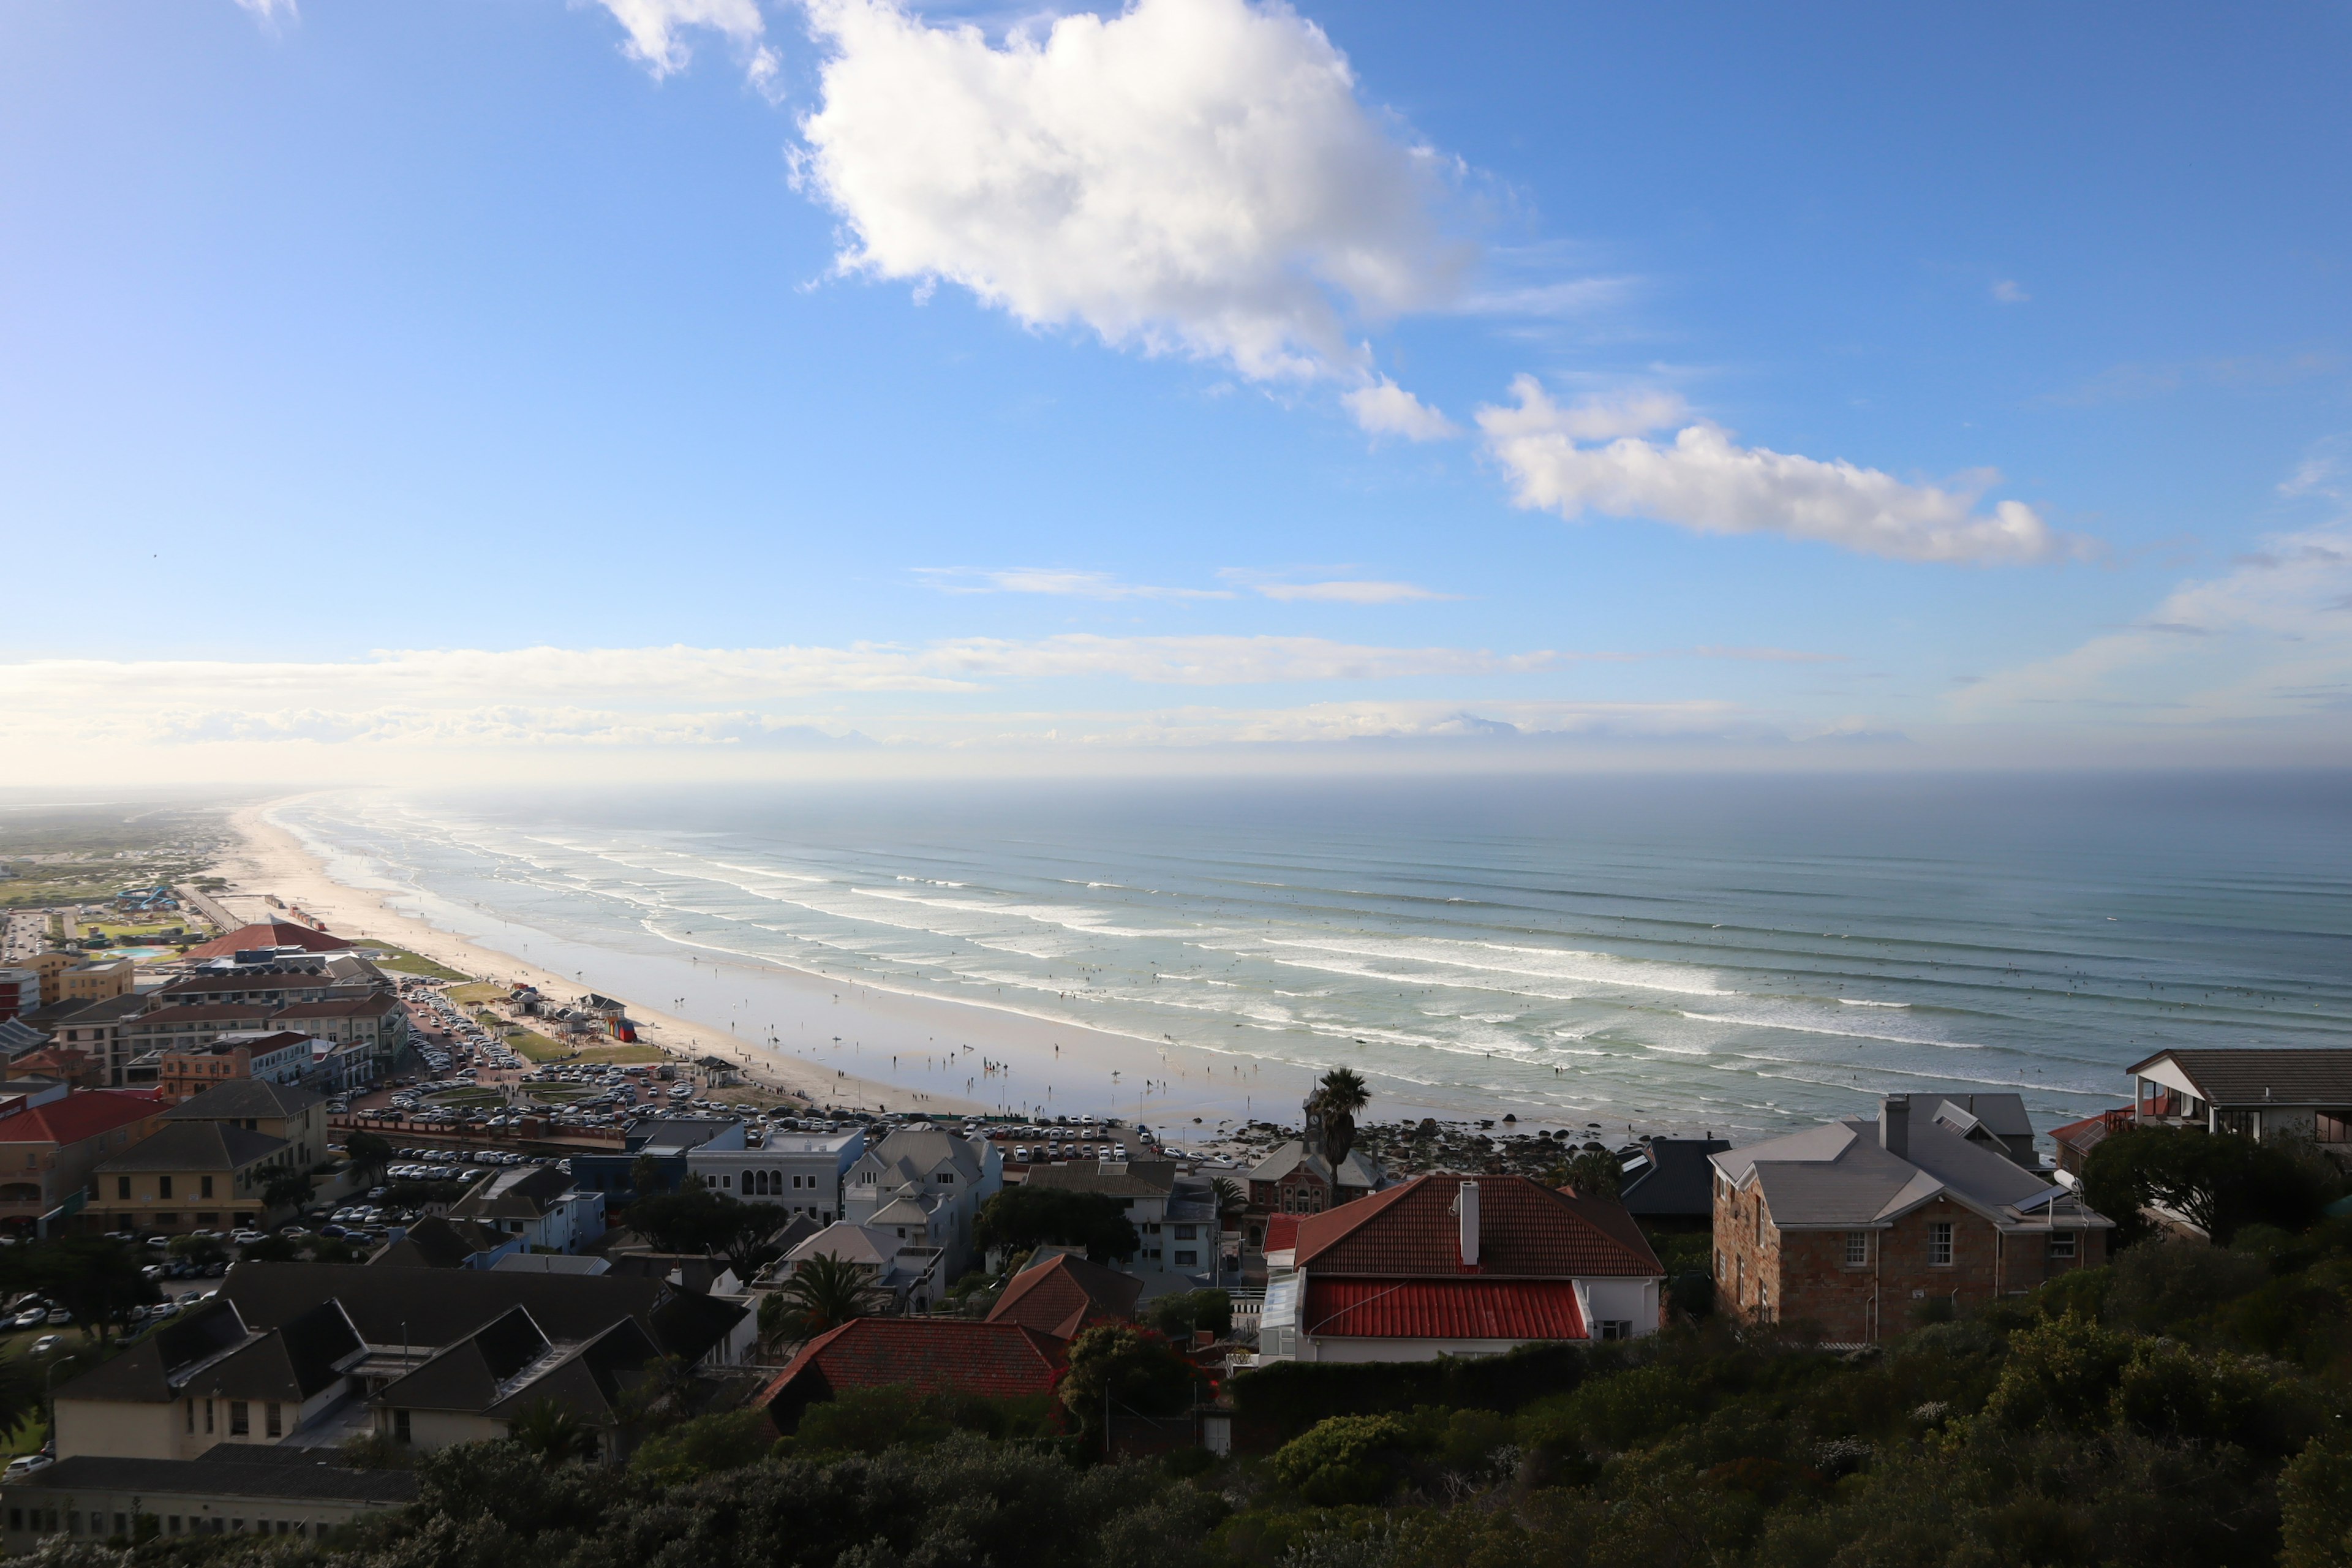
(838, 1043)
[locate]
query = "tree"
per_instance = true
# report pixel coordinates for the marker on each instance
(1023, 1218)
(1118, 1369)
(369, 1153)
(1230, 1198)
(645, 1177)
(1341, 1093)
(1179, 1313)
(552, 1432)
(2217, 1182)
(823, 1294)
(1595, 1174)
(288, 1190)
(697, 1219)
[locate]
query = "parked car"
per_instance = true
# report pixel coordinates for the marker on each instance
(21, 1468)
(46, 1344)
(30, 1318)
(59, 1315)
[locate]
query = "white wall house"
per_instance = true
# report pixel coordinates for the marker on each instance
(801, 1172)
(927, 1177)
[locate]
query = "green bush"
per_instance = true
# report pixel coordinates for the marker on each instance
(704, 1446)
(1346, 1458)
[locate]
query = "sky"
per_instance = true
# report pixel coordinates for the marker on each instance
(671, 387)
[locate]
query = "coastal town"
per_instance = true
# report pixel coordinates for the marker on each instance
(309, 1208)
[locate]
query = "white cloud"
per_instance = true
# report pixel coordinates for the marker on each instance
(1702, 481)
(2321, 472)
(1385, 408)
(1054, 579)
(1191, 176)
(270, 13)
(1351, 591)
(2009, 292)
(2269, 638)
(656, 31)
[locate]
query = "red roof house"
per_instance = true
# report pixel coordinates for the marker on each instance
(269, 933)
(929, 1356)
(1066, 1294)
(1453, 1265)
(48, 1150)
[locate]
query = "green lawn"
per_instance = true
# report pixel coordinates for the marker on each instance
(406, 963)
(475, 992)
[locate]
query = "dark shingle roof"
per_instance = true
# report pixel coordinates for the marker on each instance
(241, 1097)
(434, 1242)
(292, 1364)
(1140, 1179)
(1679, 1184)
(142, 1372)
(194, 1146)
(1061, 1295)
(471, 1374)
(2264, 1075)
(1525, 1230)
(226, 1477)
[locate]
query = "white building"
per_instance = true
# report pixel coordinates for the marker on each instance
(1175, 1217)
(802, 1173)
(925, 1182)
(537, 1203)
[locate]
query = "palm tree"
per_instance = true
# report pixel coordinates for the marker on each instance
(552, 1432)
(823, 1294)
(1335, 1101)
(1230, 1198)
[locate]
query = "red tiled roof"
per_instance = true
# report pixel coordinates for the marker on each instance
(1468, 1309)
(2090, 1131)
(79, 1116)
(950, 1355)
(1524, 1231)
(1281, 1232)
(1066, 1295)
(268, 934)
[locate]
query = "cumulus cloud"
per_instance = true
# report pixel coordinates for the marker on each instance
(1188, 176)
(656, 30)
(1385, 408)
(1705, 481)
(1054, 579)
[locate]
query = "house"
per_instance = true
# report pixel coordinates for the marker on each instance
(20, 992)
(438, 1241)
(1857, 1225)
(280, 1110)
(1063, 1295)
(667, 1141)
(189, 1068)
(803, 1174)
(538, 1204)
(189, 1175)
(267, 935)
(910, 1273)
(955, 1356)
(1669, 1185)
(291, 1492)
(100, 1028)
(305, 1354)
(1175, 1217)
(1300, 1177)
(1455, 1265)
(2260, 1092)
(53, 1140)
(926, 1185)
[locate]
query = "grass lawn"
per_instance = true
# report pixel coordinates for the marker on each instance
(406, 963)
(467, 1098)
(623, 1056)
(475, 992)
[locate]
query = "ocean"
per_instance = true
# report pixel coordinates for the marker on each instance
(1734, 955)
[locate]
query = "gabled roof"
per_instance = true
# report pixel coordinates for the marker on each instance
(1468, 1309)
(1525, 1230)
(437, 1242)
(195, 1146)
(473, 1373)
(850, 1243)
(291, 1363)
(1677, 1183)
(930, 1355)
(1127, 1179)
(589, 1380)
(1355, 1171)
(240, 1097)
(920, 1151)
(268, 933)
(144, 1373)
(2264, 1076)
(524, 1193)
(1064, 1294)
(78, 1116)
(1839, 1176)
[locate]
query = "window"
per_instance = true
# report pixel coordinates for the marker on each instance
(172, 1525)
(123, 1187)
(73, 1521)
(1857, 1249)
(122, 1524)
(400, 1425)
(2062, 1246)
(2244, 1123)
(2336, 1125)
(1187, 1259)
(275, 1424)
(1760, 1220)
(163, 1186)
(1616, 1328)
(240, 1418)
(1939, 1245)
(16, 1518)
(208, 1417)
(205, 1185)
(192, 1414)
(1188, 1233)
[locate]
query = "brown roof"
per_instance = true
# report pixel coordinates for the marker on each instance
(382, 1002)
(1065, 1294)
(1524, 1231)
(929, 1355)
(203, 1012)
(2265, 1075)
(268, 934)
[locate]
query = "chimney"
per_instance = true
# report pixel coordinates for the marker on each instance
(1895, 1125)
(1465, 1204)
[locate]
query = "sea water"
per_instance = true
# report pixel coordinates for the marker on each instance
(1740, 954)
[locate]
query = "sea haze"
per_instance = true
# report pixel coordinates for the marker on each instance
(1741, 954)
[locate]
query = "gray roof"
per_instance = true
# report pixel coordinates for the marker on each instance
(195, 1146)
(676, 1134)
(1355, 1171)
(245, 1097)
(850, 1243)
(913, 1152)
(525, 1192)
(1677, 1183)
(2002, 1115)
(2264, 1076)
(1131, 1179)
(318, 1482)
(1837, 1177)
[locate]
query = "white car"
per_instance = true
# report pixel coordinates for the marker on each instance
(28, 1463)
(46, 1344)
(31, 1317)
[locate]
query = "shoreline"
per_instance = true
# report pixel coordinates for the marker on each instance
(946, 1055)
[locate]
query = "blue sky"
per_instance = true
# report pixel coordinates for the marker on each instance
(693, 383)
